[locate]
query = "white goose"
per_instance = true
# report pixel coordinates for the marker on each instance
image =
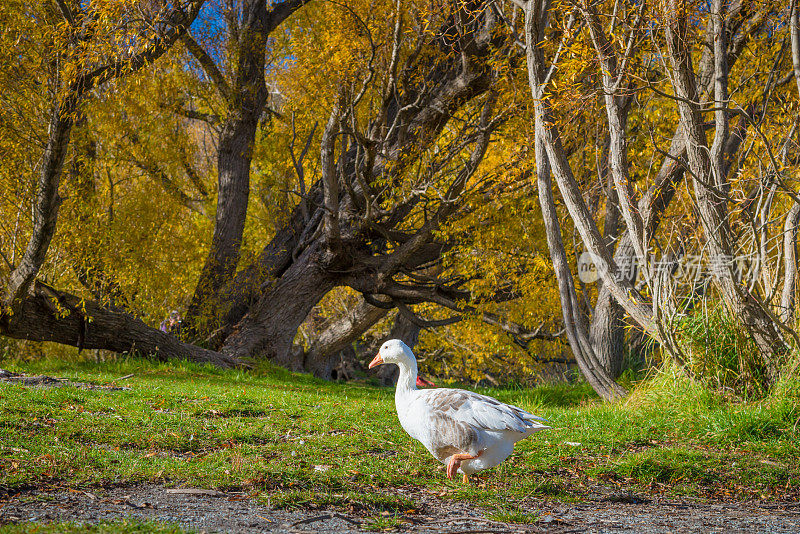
(465, 431)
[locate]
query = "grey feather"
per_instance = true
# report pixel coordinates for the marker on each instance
(480, 411)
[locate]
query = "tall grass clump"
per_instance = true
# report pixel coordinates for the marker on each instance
(721, 355)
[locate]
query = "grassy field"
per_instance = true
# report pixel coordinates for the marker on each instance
(296, 441)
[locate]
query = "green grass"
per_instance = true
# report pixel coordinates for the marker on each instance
(300, 442)
(104, 527)
(508, 514)
(382, 523)
(362, 501)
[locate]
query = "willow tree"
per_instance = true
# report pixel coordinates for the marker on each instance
(404, 132)
(80, 47)
(717, 209)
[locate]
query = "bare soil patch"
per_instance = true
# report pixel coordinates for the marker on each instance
(51, 382)
(217, 511)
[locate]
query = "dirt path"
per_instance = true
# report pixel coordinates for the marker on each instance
(210, 511)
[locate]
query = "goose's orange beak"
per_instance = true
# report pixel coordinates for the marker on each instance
(376, 361)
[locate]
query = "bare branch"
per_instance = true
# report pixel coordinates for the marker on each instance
(178, 21)
(522, 336)
(208, 118)
(280, 12)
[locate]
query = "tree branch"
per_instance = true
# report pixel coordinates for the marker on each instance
(330, 179)
(67, 12)
(208, 64)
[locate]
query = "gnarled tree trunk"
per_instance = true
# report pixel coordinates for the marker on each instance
(269, 328)
(343, 243)
(246, 99)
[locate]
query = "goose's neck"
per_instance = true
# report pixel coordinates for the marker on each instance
(407, 381)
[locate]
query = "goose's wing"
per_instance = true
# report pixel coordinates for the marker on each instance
(479, 411)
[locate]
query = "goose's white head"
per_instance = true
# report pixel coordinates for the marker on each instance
(394, 351)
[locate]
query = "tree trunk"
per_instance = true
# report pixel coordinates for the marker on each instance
(617, 103)
(788, 294)
(623, 291)
(607, 333)
(710, 182)
(45, 215)
(536, 15)
(439, 85)
(607, 328)
(549, 151)
(269, 328)
(594, 373)
(235, 153)
(88, 325)
(233, 168)
(236, 298)
(246, 103)
(611, 215)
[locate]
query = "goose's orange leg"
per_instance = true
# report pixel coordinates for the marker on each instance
(455, 462)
